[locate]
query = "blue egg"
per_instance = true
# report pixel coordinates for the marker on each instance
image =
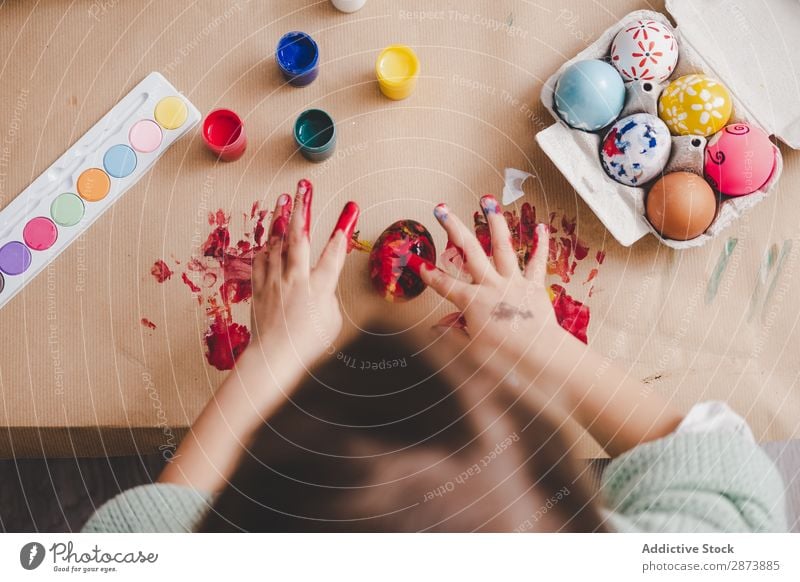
(589, 95)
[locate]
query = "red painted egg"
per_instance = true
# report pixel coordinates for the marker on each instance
(388, 261)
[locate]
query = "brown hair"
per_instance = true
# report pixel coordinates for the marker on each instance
(380, 438)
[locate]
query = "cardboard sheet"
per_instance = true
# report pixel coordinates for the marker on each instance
(81, 375)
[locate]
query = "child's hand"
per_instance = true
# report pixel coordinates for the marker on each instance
(501, 304)
(295, 312)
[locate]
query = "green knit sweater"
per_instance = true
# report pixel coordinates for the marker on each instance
(709, 478)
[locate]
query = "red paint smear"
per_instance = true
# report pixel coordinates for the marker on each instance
(147, 323)
(571, 314)
(161, 271)
(600, 257)
(224, 268)
(225, 341)
(217, 242)
(189, 283)
(565, 254)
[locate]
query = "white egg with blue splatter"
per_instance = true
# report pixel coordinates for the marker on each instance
(636, 149)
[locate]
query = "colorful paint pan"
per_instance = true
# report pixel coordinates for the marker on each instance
(93, 184)
(40, 233)
(298, 58)
(119, 161)
(43, 220)
(15, 258)
(397, 69)
(145, 136)
(315, 135)
(171, 112)
(223, 132)
(67, 209)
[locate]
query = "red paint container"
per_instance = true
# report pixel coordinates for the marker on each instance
(223, 132)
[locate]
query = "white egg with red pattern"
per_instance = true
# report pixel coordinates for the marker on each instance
(645, 50)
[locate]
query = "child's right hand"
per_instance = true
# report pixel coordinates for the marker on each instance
(501, 303)
(295, 315)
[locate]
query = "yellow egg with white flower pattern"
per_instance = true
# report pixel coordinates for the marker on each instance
(695, 105)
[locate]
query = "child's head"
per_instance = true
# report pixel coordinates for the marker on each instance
(391, 435)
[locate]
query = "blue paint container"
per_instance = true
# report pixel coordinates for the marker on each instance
(298, 58)
(315, 135)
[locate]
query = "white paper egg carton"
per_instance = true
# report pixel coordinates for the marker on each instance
(734, 42)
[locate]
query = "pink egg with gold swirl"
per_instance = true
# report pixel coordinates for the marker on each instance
(645, 50)
(739, 159)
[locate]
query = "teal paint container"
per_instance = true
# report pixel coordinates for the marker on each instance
(315, 135)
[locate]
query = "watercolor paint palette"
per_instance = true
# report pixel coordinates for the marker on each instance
(46, 217)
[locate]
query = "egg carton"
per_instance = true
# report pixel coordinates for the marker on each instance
(729, 41)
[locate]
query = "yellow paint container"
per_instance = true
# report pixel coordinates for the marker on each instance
(397, 70)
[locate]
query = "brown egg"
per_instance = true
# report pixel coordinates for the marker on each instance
(681, 206)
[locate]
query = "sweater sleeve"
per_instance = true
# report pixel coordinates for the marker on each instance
(155, 508)
(695, 481)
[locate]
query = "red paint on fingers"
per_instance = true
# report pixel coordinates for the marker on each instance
(306, 191)
(280, 221)
(347, 222)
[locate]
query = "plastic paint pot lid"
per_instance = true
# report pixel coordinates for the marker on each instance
(15, 258)
(145, 136)
(93, 184)
(40, 233)
(119, 161)
(222, 127)
(396, 64)
(67, 209)
(314, 130)
(297, 53)
(171, 112)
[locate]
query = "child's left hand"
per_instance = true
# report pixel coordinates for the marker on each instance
(296, 315)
